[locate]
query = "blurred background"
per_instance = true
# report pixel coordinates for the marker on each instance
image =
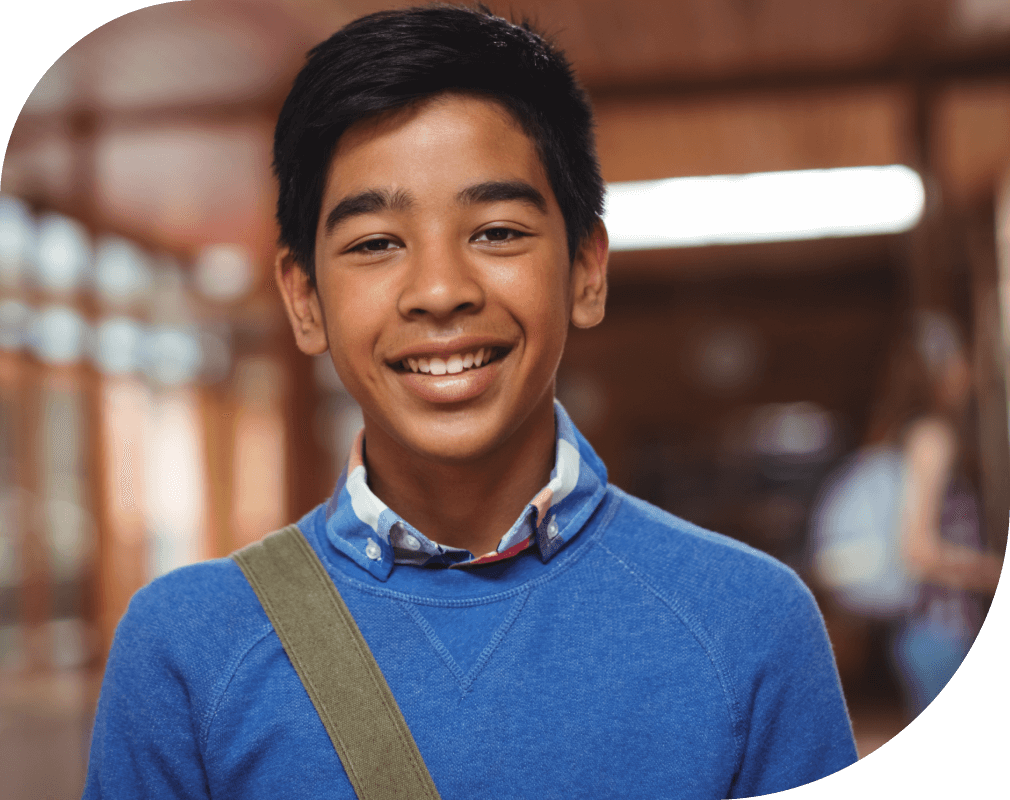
(837, 401)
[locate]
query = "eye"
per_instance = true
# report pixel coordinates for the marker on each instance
(498, 235)
(375, 246)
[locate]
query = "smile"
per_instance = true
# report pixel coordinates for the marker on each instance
(453, 364)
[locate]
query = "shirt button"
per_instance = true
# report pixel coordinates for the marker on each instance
(372, 550)
(552, 527)
(411, 543)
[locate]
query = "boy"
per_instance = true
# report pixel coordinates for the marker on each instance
(544, 634)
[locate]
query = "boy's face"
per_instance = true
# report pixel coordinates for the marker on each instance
(444, 287)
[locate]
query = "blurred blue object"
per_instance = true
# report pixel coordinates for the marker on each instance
(855, 535)
(925, 654)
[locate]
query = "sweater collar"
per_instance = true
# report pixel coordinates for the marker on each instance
(376, 538)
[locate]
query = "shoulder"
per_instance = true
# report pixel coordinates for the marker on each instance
(751, 614)
(202, 596)
(930, 430)
(183, 638)
(194, 623)
(930, 445)
(661, 543)
(688, 561)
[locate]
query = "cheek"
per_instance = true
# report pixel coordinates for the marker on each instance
(539, 303)
(353, 318)
(548, 295)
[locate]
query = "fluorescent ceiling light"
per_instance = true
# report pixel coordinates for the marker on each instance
(763, 207)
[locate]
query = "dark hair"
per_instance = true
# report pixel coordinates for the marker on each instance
(392, 59)
(925, 344)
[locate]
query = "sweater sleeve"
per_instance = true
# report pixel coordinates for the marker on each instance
(145, 741)
(798, 728)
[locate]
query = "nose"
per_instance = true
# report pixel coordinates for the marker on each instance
(439, 283)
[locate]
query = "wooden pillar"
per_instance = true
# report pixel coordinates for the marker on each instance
(310, 467)
(19, 378)
(119, 409)
(99, 634)
(217, 411)
(990, 377)
(36, 587)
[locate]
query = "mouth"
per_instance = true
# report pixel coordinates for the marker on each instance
(453, 364)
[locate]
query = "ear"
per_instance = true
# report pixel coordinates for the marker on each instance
(301, 301)
(589, 278)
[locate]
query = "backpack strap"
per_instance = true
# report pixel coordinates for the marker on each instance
(336, 667)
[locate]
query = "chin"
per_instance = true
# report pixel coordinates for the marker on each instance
(457, 447)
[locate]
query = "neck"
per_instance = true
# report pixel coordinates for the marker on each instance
(469, 505)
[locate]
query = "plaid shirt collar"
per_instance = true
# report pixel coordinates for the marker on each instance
(372, 535)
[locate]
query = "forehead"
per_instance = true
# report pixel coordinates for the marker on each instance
(443, 140)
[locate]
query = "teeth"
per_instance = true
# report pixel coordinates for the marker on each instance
(452, 365)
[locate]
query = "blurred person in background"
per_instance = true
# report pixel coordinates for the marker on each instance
(896, 534)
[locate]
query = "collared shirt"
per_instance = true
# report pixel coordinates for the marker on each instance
(375, 537)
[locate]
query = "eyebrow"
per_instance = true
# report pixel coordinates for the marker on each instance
(372, 201)
(502, 191)
(369, 201)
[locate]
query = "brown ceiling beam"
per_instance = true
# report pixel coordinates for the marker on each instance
(988, 64)
(104, 118)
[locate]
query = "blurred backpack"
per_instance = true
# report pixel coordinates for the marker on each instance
(855, 535)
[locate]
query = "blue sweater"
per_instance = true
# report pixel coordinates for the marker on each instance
(641, 657)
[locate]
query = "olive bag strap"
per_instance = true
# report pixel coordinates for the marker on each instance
(336, 667)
